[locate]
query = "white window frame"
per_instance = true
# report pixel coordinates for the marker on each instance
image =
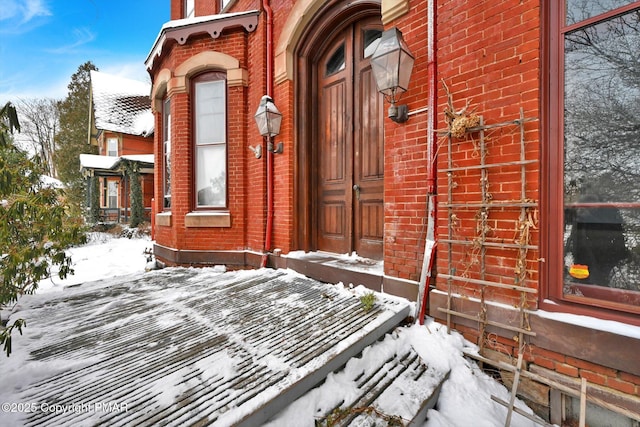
(112, 146)
(210, 141)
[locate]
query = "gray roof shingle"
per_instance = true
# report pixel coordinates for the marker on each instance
(121, 105)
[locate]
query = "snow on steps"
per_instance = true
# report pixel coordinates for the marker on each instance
(404, 375)
(192, 347)
(388, 382)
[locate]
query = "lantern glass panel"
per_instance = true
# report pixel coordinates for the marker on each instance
(392, 64)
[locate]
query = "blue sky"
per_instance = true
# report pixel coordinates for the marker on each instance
(43, 42)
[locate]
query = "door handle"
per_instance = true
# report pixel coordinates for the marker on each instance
(356, 188)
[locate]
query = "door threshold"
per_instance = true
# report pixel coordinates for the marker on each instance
(337, 268)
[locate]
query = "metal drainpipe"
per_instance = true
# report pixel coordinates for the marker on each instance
(269, 84)
(431, 239)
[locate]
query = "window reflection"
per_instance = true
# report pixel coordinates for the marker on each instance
(210, 141)
(602, 149)
(166, 131)
(336, 62)
(579, 10)
(371, 41)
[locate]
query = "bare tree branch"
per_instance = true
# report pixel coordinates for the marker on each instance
(40, 122)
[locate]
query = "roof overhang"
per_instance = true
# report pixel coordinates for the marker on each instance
(180, 30)
(92, 164)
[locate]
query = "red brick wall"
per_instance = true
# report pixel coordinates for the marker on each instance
(283, 172)
(255, 176)
(406, 160)
(567, 365)
(177, 9)
(488, 54)
(244, 171)
(132, 144)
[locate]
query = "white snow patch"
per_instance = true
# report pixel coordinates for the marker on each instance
(465, 398)
(617, 328)
(104, 257)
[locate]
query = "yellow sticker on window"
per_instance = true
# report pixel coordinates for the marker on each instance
(579, 271)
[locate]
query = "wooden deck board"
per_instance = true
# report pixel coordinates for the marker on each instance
(186, 346)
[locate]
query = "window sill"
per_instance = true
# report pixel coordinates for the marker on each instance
(163, 219)
(208, 219)
(557, 305)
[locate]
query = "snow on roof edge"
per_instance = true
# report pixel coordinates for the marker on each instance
(121, 104)
(94, 161)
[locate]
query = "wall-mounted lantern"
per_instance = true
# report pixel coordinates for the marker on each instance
(269, 118)
(392, 63)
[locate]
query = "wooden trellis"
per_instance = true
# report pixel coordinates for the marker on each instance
(524, 211)
(524, 208)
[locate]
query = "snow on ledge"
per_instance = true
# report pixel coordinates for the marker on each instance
(612, 326)
(352, 261)
(589, 322)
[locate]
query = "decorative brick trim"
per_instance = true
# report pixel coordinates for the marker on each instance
(207, 219)
(237, 77)
(160, 89)
(393, 9)
(299, 16)
(210, 60)
(163, 219)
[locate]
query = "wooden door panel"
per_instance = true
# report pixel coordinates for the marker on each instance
(371, 149)
(334, 203)
(333, 143)
(349, 148)
(372, 214)
(368, 164)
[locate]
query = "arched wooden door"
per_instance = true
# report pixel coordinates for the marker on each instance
(348, 145)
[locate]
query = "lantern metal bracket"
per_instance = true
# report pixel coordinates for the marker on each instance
(398, 113)
(279, 147)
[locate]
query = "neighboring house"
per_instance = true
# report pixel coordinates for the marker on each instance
(514, 181)
(121, 126)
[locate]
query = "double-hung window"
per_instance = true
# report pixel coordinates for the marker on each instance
(166, 153)
(210, 140)
(112, 147)
(594, 155)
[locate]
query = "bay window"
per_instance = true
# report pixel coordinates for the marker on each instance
(210, 140)
(166, 153)
(594, 155)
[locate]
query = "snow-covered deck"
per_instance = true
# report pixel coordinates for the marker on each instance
(188, 346)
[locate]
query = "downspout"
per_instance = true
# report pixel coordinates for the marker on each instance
(431, 239)
(269, 84)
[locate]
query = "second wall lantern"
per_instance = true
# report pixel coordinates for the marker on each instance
(391, 64)
(269, 118)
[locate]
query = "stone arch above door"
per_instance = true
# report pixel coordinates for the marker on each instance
(302, 13)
